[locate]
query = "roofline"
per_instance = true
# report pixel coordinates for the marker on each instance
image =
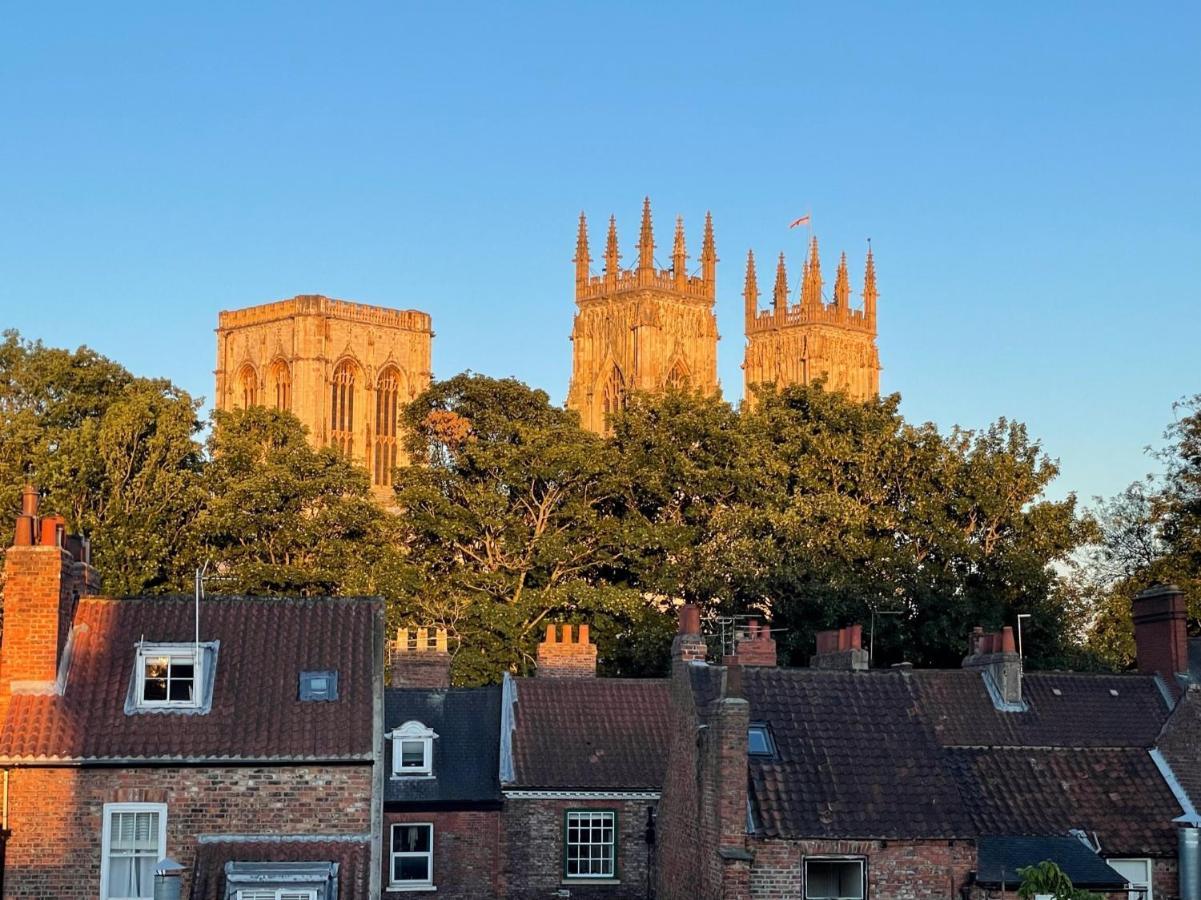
(1190, 817)
(227, 598)
(573, 794)
(100, 762)
(282, 838)
(442, 805)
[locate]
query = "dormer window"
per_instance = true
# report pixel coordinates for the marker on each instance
(167, 675)
(172, 678)
(412, 750)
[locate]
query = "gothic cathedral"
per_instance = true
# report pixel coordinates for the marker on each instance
(644, 328)
(343, 368)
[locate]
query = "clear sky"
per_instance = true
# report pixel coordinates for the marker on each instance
(1029, 174)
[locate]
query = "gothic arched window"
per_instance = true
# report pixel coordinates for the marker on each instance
(248, 385)
(281, 380)
(614, 394)
(387, 396)
(677, 378)
(341, 406)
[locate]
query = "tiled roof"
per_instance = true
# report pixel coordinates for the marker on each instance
(353, 857)
(895, 754)
(1089, 710)
(1118, 794)
(1001, 857)
(255, 714)
(851, 758)
(466, 752)
(1180, 744)
(590, 734)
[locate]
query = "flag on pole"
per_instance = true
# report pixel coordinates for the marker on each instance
(803, 220)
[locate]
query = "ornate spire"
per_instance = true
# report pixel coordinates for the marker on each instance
(842, 287)
(709, 256)
(611, 254)
(582, 259)
(780, 292)
(869, 289)
(811, 286)
(646, 240)
(750, 291)
(679, 254)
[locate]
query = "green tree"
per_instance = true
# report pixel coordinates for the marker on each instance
(518, 518)
(280, 517)
(116, 455)
(1047, 878)
(1150, 532)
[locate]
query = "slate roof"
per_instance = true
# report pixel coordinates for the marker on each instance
(590, 734)
(904, 754)
(1180, 744)
(352, 855)
(264, 644)
(466, 752)
(1000, 857)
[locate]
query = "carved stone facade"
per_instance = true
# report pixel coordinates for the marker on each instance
(644, 328)
(343, 368)
(797, 344)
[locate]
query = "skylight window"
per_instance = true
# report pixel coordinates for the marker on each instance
(318, 686)
(758, 741)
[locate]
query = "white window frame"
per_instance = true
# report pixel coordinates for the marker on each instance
(860, 860)
(1139, 891)
(612, 874)
(276, 894)
(110, 809)
(413, 732)
(393, 885)
(173, 652)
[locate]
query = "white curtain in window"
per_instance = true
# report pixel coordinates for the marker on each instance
(133, 852)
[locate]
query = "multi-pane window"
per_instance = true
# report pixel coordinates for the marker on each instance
(341, 422)
(133, 841)
(387, 396)
(590, 845)
(281, 380)
(168, 676)
(411, 857)
(834, 879)
(276, 894)
(1138, 873)
(677, 378)
(248, 383)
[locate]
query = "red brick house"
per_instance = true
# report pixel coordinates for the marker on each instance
(237, 736)
(837, 781)
(582, 761)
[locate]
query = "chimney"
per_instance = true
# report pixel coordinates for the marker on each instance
(1161, 632)
(841, 648)
(418, 658)
(561, 657)
(42, 582)
(754, 646)
(995, 656)
(689, 644)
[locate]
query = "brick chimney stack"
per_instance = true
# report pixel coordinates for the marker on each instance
(42, 581)
(996, 656)
(753, 646)
(419, 658)
(841, 648)
(1161, 632)
(561, 657)
(689, 644)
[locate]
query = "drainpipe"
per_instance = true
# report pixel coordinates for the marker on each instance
(1189, 837)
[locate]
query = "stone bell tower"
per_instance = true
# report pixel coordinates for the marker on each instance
(645, 328)
(799, 343)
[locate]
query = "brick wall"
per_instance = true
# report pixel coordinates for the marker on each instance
(533, 846)
(467, 851)
(561, 657)
(56, 815)
(38, 598)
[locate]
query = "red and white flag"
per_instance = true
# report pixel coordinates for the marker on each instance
(803, 220)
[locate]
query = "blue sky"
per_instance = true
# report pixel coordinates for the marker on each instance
(1029, 174)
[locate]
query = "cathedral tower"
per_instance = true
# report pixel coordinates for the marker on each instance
(801, 342)
(343, 368)
(643, 328)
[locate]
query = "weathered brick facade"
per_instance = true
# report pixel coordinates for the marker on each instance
(56, 814)
(468, 859)
(533, 844)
